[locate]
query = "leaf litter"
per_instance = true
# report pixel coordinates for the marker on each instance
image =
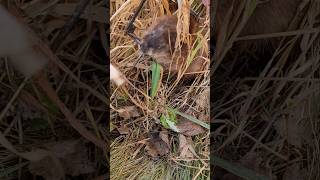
(128, 112)
(185, 146)
(158, 144)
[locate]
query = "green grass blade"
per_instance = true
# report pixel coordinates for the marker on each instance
(238, 170)
(156, 76)
(194, 52)
(191, 118)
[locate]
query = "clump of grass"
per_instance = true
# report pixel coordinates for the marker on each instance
(127, 162)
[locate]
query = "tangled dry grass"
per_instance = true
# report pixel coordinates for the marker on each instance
(266, 109)
(36, 138)
(128, 157)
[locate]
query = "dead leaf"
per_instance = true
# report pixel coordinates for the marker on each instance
(184, 145)
(203, 100)
(128, 112)
(164, 136)
(294, 172)
(189, 128)
(155, 146)
(123, 129)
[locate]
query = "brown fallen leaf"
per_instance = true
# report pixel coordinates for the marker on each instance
(184, 146)
(123, 129)
(202, 100)
(156, 146)
(189, 128)
(128, 112)
(164, 135)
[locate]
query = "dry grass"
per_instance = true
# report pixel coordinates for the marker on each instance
(32, 119)
(269, 106)
(173, 92)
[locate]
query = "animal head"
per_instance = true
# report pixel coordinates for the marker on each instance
(160, 38)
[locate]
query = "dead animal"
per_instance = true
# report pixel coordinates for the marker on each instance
(159, 42)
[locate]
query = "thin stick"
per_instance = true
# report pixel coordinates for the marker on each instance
(131, 27)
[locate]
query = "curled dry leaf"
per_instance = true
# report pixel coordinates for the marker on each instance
(184, 146)
(157, 145)
(189, 128)
(203, 100)
(128, 112)
(164, 136)
(123, 129)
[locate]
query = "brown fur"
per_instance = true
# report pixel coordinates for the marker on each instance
(159, 43)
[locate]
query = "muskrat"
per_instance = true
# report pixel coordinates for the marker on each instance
(159, 43)
(270, 16)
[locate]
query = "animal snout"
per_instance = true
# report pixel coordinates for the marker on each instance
(144, 47)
